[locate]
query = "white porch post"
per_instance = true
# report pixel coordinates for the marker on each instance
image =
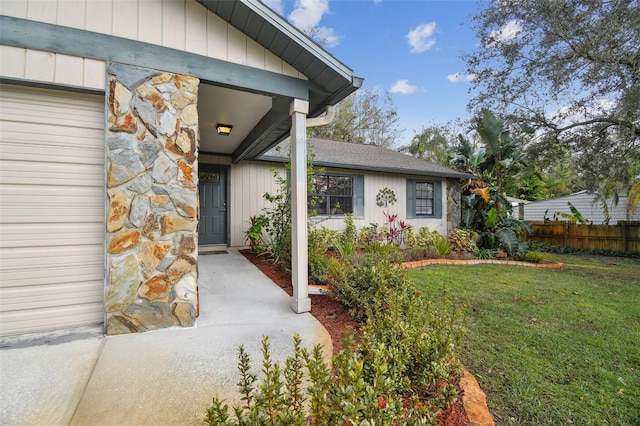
(299, 250)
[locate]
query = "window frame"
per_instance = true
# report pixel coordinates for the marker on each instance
(412, 199)
(432, 198)
(357, 194)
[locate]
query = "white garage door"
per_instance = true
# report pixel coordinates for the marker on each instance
(51, 209)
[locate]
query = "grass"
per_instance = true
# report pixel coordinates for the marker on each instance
(550, 347)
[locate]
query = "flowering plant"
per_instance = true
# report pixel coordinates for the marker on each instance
(394, 230)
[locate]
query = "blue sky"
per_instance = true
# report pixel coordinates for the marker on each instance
(409, 48)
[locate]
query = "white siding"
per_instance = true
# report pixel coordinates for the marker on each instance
(47, 67)
(52, 211)
(179, 24)
(583, 202)
(373, 183)
(251, 179)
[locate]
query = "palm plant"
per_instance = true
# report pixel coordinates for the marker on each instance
(503, 153)
(466, 155)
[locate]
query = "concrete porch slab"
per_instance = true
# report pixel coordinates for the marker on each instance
(163, 377)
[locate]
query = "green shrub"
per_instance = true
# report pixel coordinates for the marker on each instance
(348, 396)
(419, 337)
(389, 252)
(359, 283)
(347, 249)
(407, 347)
(325, 269)
(533, 256)
(410, 238)
(442, 245)
(414, 254)
(460, 241)
(425, 238)
(548, 248)
(529, 256)
(349, 234)
(484, 253)
(320, 265)
(372, 234)
(322, 239)
(254, 235)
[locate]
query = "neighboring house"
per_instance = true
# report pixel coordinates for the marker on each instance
(351, 175)
(517, 206)
(590, 208)
(112, 121)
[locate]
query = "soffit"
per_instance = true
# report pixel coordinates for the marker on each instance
(329, 79)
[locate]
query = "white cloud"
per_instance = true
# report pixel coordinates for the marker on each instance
(403, 87)
(422, 38)
(308, 13)
(327, 36)
(377, 1)
(276, 5)
(508, 32)
(458, 77)
(567, 115)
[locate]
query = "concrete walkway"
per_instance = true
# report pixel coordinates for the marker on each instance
(156, 378)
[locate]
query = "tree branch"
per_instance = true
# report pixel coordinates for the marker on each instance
(610, 121)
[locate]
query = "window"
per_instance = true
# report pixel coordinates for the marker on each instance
(337, 194)
(424, 199)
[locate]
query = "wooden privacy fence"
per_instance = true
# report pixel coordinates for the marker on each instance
(624, 236)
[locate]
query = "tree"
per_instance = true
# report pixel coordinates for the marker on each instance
(571, 70)
(430, 144)
(435, 142)
(365, 117)
(466, 155)
(494, 154)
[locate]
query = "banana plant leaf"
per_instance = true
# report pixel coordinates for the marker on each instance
(508, 240)
(491, 219)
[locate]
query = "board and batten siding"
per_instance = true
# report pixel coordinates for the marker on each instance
(52, 210)
(251, 179)
(178, 24)
(373, 183)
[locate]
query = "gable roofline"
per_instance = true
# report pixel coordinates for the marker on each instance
(330, 80)
(574, 194)
(356, 156)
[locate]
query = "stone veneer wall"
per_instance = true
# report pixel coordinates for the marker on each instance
(152, 217)
(454, 205)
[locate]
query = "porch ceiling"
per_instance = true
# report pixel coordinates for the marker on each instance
(242, 110)
(329, 82)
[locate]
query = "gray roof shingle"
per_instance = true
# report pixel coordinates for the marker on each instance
(349, 155)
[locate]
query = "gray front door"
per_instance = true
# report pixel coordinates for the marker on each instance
(213, 207)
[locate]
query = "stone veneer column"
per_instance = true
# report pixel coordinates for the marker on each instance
(152, 217)
(454, 205)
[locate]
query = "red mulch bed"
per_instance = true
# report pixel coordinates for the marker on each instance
(336, 319)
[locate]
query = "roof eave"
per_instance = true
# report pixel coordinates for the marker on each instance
(236, 15)
(415, 172)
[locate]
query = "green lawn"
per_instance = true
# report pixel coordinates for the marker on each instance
(550, 347)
